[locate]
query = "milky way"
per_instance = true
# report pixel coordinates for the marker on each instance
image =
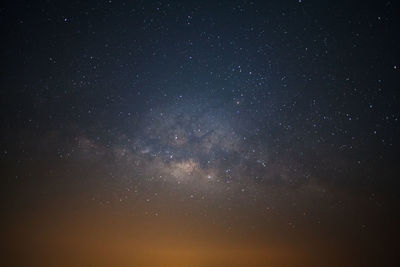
(222, 133)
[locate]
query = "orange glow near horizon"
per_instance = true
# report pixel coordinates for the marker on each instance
(106, 237)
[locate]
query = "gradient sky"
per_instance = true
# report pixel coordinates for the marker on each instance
(199, 133)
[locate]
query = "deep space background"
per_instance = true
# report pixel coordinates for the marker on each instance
(199, 133)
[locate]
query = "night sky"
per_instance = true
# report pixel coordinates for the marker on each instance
(200, 133)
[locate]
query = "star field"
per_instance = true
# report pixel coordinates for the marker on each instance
(186, 133)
